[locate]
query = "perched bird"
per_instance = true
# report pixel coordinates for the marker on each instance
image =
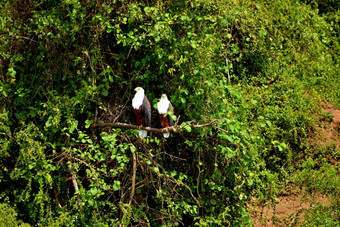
(142, 110)
(163, 106)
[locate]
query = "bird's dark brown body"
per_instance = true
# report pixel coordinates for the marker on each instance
(143, 113)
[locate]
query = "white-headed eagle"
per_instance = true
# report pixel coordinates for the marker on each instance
(142, 110)
(163, 106)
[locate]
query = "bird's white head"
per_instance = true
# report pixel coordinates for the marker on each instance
(164, 97)
(139, 90)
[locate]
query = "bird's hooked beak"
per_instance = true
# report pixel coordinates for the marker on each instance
(137, 89)
(163, 96)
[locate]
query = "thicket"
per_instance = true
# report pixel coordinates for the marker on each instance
(262, 66)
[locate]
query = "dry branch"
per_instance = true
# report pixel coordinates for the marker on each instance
(74, 181)
(227, 63)
(134, 155)
(56, 196)
(175, 128)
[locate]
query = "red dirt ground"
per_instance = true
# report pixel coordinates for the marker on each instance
(290, 208)
(330, 131)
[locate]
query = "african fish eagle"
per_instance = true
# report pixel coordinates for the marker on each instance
(142, 110)
(163, 106)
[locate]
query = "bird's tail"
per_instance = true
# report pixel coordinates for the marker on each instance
(143, 133)
(166, 134)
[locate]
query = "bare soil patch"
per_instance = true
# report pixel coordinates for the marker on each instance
(329, 132)
(289, 209)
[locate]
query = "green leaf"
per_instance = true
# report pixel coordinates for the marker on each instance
(230, 153)
(174, 118)
(182, 176)
(88, 123)
(116, 185)
(105, 92)
(187, 128)
(94, 191)
(173, 173)
(262, 33)
(110, 78)
(133, 148)
(155, 169)
(12, 72)
(268, 123)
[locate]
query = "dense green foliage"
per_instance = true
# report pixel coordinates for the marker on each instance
(263, 66)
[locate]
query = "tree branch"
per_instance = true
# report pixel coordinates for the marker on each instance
(227, 63)
(175, 128)
(56, 196)
(134, 155)
(74, 181)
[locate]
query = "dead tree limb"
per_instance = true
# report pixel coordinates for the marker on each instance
(74, 182)
(56, 196)
(175, 128)
(227, 63)
(134, 155)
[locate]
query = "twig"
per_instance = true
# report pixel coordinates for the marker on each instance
(178, 183)
(176, 123)
(56, 197)
(136, 187)
(96, 115)
(74, 181)
(121, 111)
(23, 37)
(227, 62)
(223, 130)
(85, 163)
(192, 195)
(173, 156)
(108, 109)
(173, 179)
(207, 124)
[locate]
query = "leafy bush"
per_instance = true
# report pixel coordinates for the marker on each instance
(8, 217)
(320, 216)
(260, 66)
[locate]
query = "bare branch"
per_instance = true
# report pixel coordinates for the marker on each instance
(173, 156)
(176, 123)
(175, 128)
(227, 63)
(79, 160)
(223, 130)
(24, 37)
(134, 155)
(56, 196)
(74, 181)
